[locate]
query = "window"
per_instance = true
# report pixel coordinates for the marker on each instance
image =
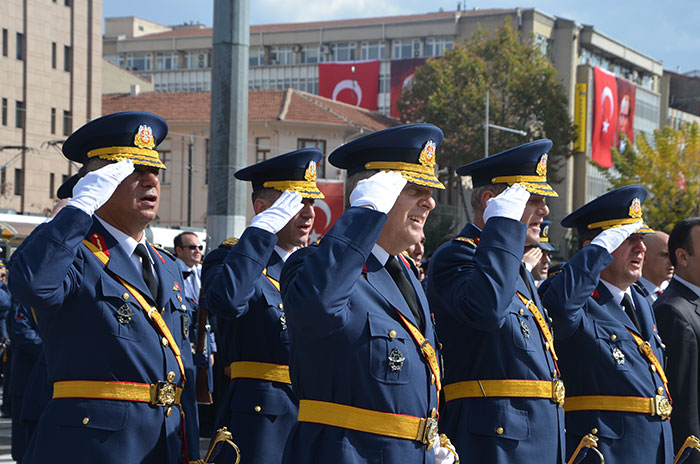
(19, 114)
(256, 56)
(343, 51)
(3, 180)
(438, 46)
(321, 145)
(282, 55)
(20, 46)
(166, 61)
(372, 51)
(309, 54)
(53, 120)
(19, 181)
(4, 42)
(139, 62)
(197, 60)
(67, 122)
(165, 174)
(67, 58)
(262, 148)
(67, 2)
(407, 48)
(51, 185)
(206, 161)
(53, 55)
(4, 111)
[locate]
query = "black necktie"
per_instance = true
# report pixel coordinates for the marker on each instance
(628, 306)
(524, 274)
(409, 294)
(148, 275)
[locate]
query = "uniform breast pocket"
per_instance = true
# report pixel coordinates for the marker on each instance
(615, 344)
(275, 312)
(119, 309)
(389, 349)
(524, 330)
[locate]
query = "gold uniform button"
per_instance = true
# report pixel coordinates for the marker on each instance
(522, 311)
(257, 408)
(660, 391)
(281, 306)
(392, 334)
(162, 310)
(183, 307)
(550, 319)
(594, 431)
(653, 368)
(179, 298)
(164, 341)
(613, 337)
(125, 296)
(168, 412)
(171, 376)
(86, 420)
(499, 430)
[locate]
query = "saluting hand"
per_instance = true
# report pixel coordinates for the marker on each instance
(509, 204)
(379, 191)
(96, 187)
(610, 239)
(274, 218)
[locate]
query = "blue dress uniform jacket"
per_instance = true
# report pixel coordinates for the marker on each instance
(259, 413)
(343, 327)
(489, 334)
(592, 330)
(92, 330)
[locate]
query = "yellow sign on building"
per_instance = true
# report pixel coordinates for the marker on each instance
(580, 109)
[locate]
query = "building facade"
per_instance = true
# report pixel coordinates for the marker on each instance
(51, 65)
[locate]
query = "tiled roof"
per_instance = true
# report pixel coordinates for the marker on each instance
(197, 32)
(263, 105)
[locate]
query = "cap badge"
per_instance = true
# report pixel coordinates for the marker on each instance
(636, 209)
(144, 137)
(545, 231)
(542, 166)
(310, 173)
(427, 155)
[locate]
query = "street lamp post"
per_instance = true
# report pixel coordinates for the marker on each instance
(487, 125)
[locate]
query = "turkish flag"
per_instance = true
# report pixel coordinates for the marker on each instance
(401, 76)
(328, 209)
(355, 82)
(605, 114)
(626, 92)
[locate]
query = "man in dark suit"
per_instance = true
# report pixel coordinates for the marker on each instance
(678, 318)
(362, 343)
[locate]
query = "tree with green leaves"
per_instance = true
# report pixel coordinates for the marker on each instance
(525, 94)
(669, 168)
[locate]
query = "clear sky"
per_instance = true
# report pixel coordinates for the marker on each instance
(665, 30)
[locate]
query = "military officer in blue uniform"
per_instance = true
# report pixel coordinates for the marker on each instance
(362, 344)
(538, 257)
(502, 387)
(611, 356)
(241, 284)
(110, 308)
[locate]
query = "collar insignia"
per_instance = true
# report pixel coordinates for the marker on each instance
(427, 155)
(144, 137)
(636, 209)
(310, 173)
(99, 242)
(542, 166)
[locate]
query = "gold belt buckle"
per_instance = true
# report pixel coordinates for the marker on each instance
(558, 392)
(163, 393)
(662, 407)
(429, 431)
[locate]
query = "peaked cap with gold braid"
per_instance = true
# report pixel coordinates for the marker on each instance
(409, 149)
(525, 165)
(295, 170)
(131, 135)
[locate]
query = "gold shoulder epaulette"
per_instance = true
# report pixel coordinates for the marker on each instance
(229, 242)
(162, 250)
(470, 241)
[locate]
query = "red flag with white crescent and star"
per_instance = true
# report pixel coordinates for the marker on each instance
(328, 209)
(401, 77)
(354, 82)
(605, 114)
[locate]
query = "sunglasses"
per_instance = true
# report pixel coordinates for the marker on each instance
(195, 247)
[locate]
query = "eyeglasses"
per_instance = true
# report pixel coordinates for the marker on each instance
(195, 247)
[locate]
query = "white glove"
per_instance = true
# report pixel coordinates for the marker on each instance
(509, 204)
(379, 191)
(444, 453)
(96, 187)
(610, 239)
(274, 218)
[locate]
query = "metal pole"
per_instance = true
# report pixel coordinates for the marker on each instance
(226, 204)
(486, 127)
(190, 157)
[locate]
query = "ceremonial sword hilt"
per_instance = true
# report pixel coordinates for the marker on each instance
(222, 437)
(588, 442)
(691, 443)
